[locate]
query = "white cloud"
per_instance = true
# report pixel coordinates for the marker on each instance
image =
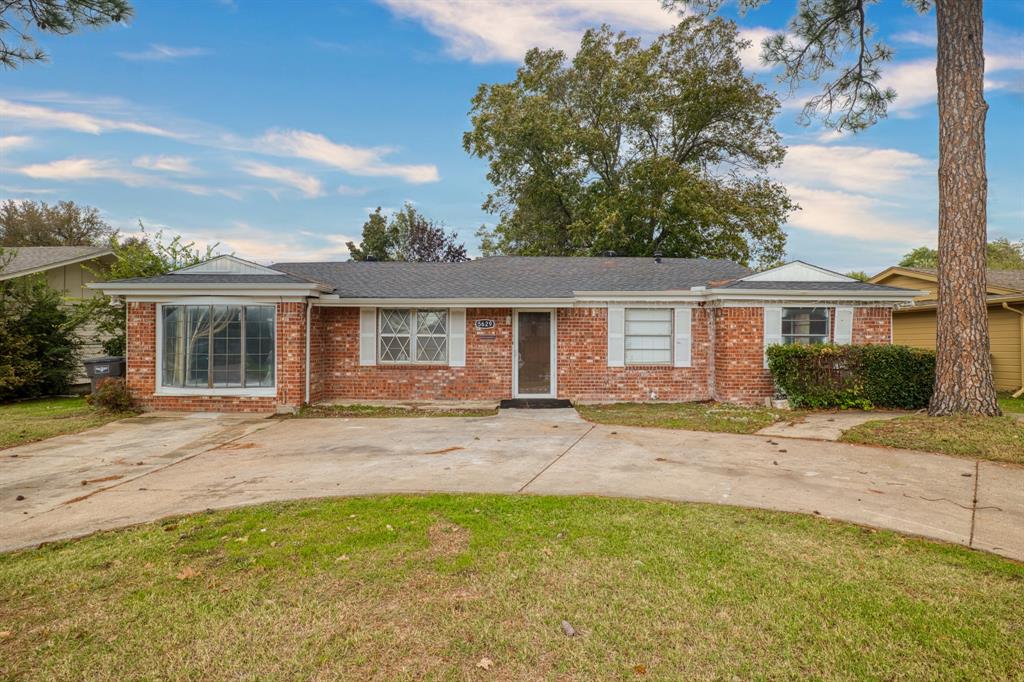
(9, 142)
(346, 191)
(307, 184)
(503, 30)
(857, 216)
(167, 164)
(854, 169)
(164, 53)
(32, 116)
(85, 169)
(366, 161)
(264, 245)
(921, 38)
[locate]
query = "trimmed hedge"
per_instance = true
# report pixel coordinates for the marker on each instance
(828, 375)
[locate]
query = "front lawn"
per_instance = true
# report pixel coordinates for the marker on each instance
(721, 417)
(313, 411)
(1011, 404)
(996, 438)
(467, 587)
(34, 420)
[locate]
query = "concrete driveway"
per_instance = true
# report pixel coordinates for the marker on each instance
(179, 464)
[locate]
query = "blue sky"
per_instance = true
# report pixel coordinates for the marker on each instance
(274, 128)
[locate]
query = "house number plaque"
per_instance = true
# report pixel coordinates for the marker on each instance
(484, 324)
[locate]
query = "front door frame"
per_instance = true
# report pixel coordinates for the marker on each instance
(553, 392)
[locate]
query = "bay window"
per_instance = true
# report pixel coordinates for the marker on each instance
(217, 346)
(413, 336)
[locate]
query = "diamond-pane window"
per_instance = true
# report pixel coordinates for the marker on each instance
(413, 336)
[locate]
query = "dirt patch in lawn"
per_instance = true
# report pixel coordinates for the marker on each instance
(447, 539)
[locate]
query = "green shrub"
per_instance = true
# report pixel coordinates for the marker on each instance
(38, 345)
(111, 395)
(828, 375)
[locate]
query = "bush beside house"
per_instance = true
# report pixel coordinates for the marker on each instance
(822, 376)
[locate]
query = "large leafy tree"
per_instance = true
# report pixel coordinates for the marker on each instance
(407, 235)
(1002, 254)
(633, 149)
(30, 223)
(832, 43)
(19, 19)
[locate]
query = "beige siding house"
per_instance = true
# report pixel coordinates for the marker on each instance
(68, 270)
(915, 325)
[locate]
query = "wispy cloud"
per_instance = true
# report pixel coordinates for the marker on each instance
(33, 116)
(854, 168)
(164, 53)
(368, 161)
(86, 169)
(307, 184)
(9, 142)
(167, 164)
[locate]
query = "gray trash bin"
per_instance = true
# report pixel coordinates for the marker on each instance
(100, 369)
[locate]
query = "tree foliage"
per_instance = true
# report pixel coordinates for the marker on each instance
(39, 347)
(30, 223)
(407, 235)
(633, 149)
(139, 256)
(19, 18)
(1002, 254)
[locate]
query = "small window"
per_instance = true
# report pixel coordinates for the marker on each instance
(804, 326)
(408, 335)
(648, 336)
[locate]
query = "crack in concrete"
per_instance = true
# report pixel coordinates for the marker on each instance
(560, 456)
(974, 501)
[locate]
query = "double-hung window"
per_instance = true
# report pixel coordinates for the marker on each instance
(407, 335)
(217, 346)
(648, 336)
(805, 326)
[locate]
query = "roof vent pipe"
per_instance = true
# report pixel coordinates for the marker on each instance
(657, 256)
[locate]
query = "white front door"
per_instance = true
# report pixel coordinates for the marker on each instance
(534, 343)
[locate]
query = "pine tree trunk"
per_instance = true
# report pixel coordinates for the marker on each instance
(963, 371)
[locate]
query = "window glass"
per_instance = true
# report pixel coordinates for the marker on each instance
(648, 336)
(413, 336)
(804, 325)
(220, 346)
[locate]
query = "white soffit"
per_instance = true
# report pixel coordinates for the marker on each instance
(797, 271)
(227, 265)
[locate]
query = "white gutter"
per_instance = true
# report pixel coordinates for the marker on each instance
(309, 308)
(335, 301)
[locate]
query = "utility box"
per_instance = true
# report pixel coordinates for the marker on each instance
(101, 369)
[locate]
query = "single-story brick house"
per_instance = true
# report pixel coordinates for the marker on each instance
(228, 334)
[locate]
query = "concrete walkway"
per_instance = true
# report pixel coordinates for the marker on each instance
(826, 425)
(190, 464)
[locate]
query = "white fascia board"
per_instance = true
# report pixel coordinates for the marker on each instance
(335, 301)
(133, 289)
(763, 295)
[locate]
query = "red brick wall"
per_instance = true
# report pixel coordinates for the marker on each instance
(486, 376)
(141, 368)
(872, 325)
(740, 375)
(584, 374)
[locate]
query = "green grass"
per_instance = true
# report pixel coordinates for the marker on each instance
(1010, 404)
(426, 587)
(997, 438)
(34, 420)
(316, 411)
(720, 417)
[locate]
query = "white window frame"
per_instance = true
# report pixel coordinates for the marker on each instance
(413, 328)
(828, 324)
(161, 390)
(671, 336)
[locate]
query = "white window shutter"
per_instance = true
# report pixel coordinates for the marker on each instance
(457, 337)
(616, 336)
(367, 336)
(844, 325)
(684, 337)
(772, 329)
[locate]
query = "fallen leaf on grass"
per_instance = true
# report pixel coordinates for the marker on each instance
(5, 633)
(484, 663)
(187, 573)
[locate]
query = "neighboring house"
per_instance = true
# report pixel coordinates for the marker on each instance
(69, 271)
(915, 325)
(232, 335)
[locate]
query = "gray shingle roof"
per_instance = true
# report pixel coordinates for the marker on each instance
(36, 258)
(1007, 279)
(514, 277)
(812, 286)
